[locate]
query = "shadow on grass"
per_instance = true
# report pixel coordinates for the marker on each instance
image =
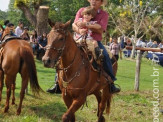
(51, 110)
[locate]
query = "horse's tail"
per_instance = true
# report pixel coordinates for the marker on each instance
(27, 56)
(108, 103)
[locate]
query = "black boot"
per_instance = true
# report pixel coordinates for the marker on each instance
(55, 89)
(98, 53)
(114, 89)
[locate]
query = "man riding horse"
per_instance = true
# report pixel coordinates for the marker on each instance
(102, 19)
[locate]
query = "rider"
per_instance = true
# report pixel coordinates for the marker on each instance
(4, 26)
(88, 14)
(102, 19)
(11, 28)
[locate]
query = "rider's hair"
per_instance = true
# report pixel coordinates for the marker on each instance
(89, 10)
(10, 25)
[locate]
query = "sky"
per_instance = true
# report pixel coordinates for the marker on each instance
(4, 5)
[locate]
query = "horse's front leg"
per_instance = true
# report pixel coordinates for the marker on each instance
(76, 104)
(68, 101)
(1, 83)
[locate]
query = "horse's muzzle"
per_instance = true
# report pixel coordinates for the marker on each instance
(46, 61)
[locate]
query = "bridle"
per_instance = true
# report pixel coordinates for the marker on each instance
(59, 50)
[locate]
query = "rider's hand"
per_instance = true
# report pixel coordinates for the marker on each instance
(81, 24)
(82, 31)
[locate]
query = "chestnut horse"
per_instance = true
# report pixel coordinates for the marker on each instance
(76, 77)
(16, 57)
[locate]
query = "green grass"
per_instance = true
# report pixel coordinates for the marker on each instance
(127, 106)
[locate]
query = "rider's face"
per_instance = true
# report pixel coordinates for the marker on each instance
(11, 29)
(96, 4)
(87, 17)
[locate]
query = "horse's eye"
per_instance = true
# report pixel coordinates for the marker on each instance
(62, 39)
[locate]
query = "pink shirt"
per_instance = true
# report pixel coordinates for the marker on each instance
(101, 18)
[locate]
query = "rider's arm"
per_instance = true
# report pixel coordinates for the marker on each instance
(95, 27)
(75, 27)
(103, 22)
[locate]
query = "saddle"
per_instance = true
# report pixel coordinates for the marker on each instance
(8, 38)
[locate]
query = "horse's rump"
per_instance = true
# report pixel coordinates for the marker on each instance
(17, 56)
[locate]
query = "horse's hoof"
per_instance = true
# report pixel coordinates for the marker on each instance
(6, 110)
(65, 118)
(101, 119)
(18, 113)
(13, 103)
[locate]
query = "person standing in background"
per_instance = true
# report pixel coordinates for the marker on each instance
(19, 29)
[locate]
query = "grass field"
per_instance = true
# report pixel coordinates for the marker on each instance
(127, 106)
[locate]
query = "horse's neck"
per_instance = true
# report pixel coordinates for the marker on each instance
(71, 51)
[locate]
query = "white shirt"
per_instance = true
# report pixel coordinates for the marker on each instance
(18, 31)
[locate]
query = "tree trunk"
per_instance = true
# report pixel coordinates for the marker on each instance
(133, 51)
(28, 14)
(40, 17)
(42, 20)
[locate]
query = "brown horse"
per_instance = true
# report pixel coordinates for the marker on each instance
(76, 77)
(16, 57)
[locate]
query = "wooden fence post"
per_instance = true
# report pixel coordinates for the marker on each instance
(137, 71)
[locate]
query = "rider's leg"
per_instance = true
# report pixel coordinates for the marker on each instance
(98, 51)
(55, 88)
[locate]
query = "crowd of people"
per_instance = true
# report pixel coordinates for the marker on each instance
(140, 43)
(37, 43)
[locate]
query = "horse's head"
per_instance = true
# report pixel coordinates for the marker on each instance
(1, 31)
(56, 43)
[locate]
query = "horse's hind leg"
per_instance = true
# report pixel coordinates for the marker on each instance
(1, 83)
(105, 96)
(13, 92)
(25, 77)
(98, 97)
(8, 81)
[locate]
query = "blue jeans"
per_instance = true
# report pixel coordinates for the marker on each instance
(107, 62)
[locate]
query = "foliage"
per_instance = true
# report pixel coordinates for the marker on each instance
(3, 15)
(14, 15)
(61, 10)
(129, 16)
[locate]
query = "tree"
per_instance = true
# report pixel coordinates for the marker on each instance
(59, 10)
(36, 14)
(3, 15)
(129, 18)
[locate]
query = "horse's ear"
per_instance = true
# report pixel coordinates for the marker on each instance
(51, 23)
(2, 27)
(66, 25)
